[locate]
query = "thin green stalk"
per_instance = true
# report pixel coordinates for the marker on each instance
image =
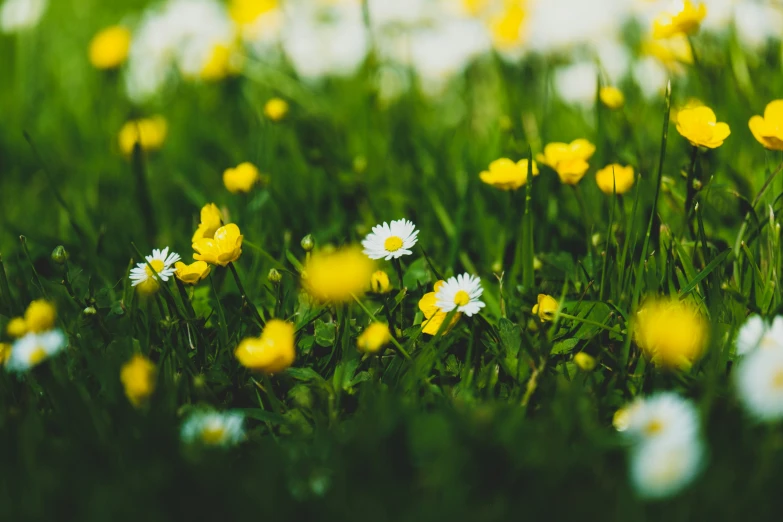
(245, 300)
(32, 266)
(6, 291)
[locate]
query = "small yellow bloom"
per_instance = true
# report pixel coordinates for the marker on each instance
(40, 316)
(546, 307)
(276, 109)
(584, 361)
(192, 273)
(504, 174)
(138, 379)
(5, 352)
(109, 48)
(672, 52)
(373, 338)
(433, 316)
(685, 21)
(223, 61)
(16, 327)
(339, 275)
(241, 178)
(224, 248)
(211, 220)
(700, 127)
(149, 133)
(273, 352)
(612, 97)
(671, 332)
(615, 177)
(379, 282)
(569, 160)
(507, 28)
(245, 12)
(768, 130)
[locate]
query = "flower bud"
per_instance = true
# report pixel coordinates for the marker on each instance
(59, 255)
(90, 310)
(584, 361)
(274, 276)
(308, 243)
(379, 282)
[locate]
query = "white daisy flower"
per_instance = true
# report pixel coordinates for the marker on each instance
(161, 261)
(759, 382)
(461, 292)
(663, 468)
(213, 428)
(756, 333)
(18, 15)
(664, 415)
(33, 349)
(390, 240)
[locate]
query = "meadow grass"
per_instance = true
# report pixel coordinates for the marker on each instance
(491, 420)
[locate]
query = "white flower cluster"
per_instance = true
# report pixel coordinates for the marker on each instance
(667, 450)
(759, 373)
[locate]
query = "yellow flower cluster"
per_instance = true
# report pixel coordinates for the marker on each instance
(699, 125)
(569, 160)
(109, 48)
(273, 352)
(338, 276)
(39, 317)
(241, 178)
(546, 307)
(149, 133)
(673, 333)
(615, 178)
(433, 316)
(373, 338)
(685, 21)
(505, 174)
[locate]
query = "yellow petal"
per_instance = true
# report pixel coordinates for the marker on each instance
(773, 114)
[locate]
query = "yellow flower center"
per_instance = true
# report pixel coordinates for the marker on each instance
(213, 434)
(653, 427)
(777, 380)
(393, 244)
(157, 264)
(461, 298)
(37, 356)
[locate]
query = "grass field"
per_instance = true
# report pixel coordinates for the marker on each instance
(621, 360)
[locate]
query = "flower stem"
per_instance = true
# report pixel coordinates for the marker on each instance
(691, 189)
(245, 301)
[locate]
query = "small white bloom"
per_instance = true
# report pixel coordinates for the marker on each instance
(390, 240)
(213, 428)
(756, 333)
(461, 292)
(663, 468)
(33, 349)
(17, 15)
(759, 381)
(577, 83)
(664, 415)
(161, 261)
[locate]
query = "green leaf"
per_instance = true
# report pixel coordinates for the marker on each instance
(564, 346)
(325, 333)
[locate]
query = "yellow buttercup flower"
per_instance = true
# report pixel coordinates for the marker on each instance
(700, 126)
(16, 327)
(612, 97)
(504, 174)
(768, 130)
(138, 379)
(241, 178)
(245, 12)
(615, 177)
(192, 273)
(109, 48)
(685, 21)
(276, 109)
(211, 220)
(546, 307)
(569, 160)
(40, 316)
(223, 61)
(5, 352)
(224, 248)
(379, 282)
(671, 332)
(672, 52)
(149, 133)
(338, 275)
(433, 316)
(373, 338)
(507, 28)
(585, 361)
(273, 352)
